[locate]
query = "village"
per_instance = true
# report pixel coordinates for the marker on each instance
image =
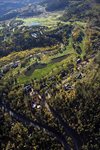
(38, 101)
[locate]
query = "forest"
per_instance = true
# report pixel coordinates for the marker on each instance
(50, 76)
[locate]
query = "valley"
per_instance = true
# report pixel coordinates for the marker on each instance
(49, 75)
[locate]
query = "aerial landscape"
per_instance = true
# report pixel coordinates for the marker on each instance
(49, 75)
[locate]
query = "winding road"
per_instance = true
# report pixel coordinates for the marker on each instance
(68, 130)
(26, 121)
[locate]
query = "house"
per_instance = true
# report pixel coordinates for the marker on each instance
(33, 105)
(43, 85)
(36, 100)
(5, 69)
(79, 61)
(38, 106)
(27, 88)
(34, 35)
(79, 76)
(47, 94)
(32, 92)
(63, 74)
(84, 63)
(31, 56)
(15, 64)
(67, 87)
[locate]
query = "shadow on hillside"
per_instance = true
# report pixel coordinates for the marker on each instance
(33, 67)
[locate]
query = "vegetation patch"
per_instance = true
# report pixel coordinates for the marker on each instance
(32, 68)
(59, 59)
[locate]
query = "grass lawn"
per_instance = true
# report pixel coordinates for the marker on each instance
(61, 61)
(83, 46)
(50, 69)
(49, 21)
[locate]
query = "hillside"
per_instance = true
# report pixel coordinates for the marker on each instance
(49, 74)
(85, 12)
(29, 8)
(12, 8)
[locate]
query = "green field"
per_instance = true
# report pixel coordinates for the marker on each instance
(49, 21)
(50, 69)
